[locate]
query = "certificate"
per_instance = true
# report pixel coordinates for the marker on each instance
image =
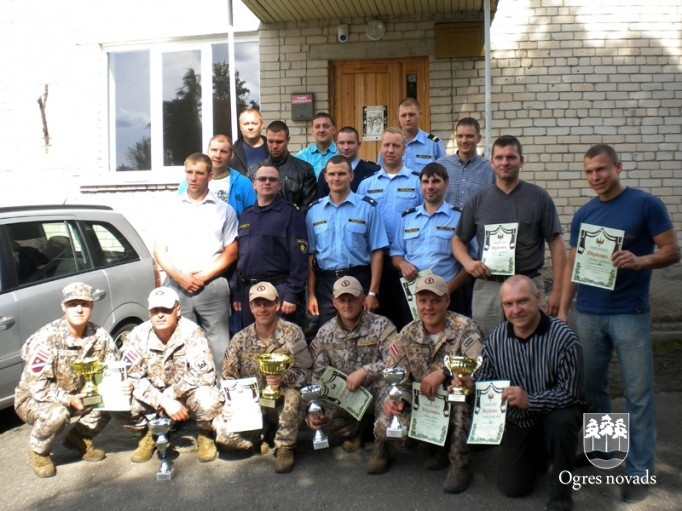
(110, 387)
(408, 289)
(334, 391)
(499, 248)
(430, 418)
(241, 411)
(593, 264)
(490, 412)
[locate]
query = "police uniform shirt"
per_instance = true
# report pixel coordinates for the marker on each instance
(394, 195)
(421, 150)
(426, 240)
(345, 235)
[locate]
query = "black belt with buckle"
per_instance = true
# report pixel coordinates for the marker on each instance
(343, 272)
(275, 280)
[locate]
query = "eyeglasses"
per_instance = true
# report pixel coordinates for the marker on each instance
(263, 179)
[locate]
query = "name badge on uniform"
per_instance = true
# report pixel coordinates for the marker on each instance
(406, 189)
(356, 221)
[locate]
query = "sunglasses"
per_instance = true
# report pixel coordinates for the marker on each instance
(263, 179)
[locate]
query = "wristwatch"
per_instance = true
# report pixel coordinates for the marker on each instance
(371, 293)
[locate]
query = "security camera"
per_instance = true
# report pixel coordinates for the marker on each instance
(342, 33)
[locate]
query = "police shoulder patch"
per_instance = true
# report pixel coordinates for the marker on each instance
(433, 137)
(370, 200)
(302, 244)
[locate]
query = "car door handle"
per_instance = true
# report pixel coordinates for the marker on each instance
(6, 322)
(98, 294)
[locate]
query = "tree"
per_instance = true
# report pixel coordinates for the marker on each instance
(592, 431)
(606, 430)
(182, 121)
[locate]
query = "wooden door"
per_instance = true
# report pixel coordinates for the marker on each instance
(360, 89)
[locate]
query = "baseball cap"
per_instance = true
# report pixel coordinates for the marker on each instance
(349, 285)
(77, 291)
(163, 298)
(434, 283)
(263, 290)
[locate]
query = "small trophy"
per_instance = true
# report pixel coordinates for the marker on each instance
(273, 364)
(309, 395)
(394, 377)
(461, 366)
(160, 427)
(88, 368)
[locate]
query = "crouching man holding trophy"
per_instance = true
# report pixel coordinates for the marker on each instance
(349, 354)
(269, 334)
(172, 375)
(420, 349)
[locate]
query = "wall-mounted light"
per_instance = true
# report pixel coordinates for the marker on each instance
(375, 29)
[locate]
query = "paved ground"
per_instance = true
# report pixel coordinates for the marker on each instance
(326, 480)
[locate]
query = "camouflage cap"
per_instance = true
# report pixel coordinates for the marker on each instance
(349, 285)
(434, 283)
(163, 298)
(263, 290)
(77, 291)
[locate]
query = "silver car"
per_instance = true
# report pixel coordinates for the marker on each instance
(44, 248)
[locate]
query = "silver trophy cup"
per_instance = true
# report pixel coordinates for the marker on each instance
(160, 427)
(395, 376)
(310, 394)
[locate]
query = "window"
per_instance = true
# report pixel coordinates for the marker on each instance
(109, 246)
(168, 100)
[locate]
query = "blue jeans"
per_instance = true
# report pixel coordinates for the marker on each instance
(630, 335)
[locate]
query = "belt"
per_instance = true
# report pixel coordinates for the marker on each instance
(352, 271)
(502, 278)
(255, 279)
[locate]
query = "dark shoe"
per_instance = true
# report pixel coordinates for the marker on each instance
(284, 460)
(559, 505)
(378, 461)
(438, 461)
(145, 449)
(206, 446)
(352, 444)
(634, 492)
(83, 445)
(457, 480)
(42, 464)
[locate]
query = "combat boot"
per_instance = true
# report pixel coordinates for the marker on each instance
(206, 445)
(378, 461)
(145, 449)
(458, 479)
(42, 464)
(352, 444)
(284, 460)
(82, 444)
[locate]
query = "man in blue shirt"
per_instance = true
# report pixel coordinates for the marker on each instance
(346, 236)
(319, 153)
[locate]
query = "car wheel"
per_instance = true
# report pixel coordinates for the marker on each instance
(120, 335)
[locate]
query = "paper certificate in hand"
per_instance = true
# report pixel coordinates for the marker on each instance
(110, 387)
(408, 289)
(499, 248)
(593, 264)
(334, 391)
(430, 418)
(241, 411)
(490, 413)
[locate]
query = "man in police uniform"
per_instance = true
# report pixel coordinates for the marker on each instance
(170, 367)
(423, 240)
(270, 334)
(355, 342)
(346, 236)
(396, 188)
(273, 247)
(48, 394)
(422, 147)
(420, 349)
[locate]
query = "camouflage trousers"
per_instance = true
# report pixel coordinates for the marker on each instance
(203, 404)
(49, 419)
(460, 454)
(287, 418)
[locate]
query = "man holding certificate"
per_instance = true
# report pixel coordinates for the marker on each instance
(613, 297)
(355, 343)
(420, 350)
(540, 358)
(512, 220)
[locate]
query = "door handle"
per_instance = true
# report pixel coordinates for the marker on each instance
(98, 294)
(6, 322)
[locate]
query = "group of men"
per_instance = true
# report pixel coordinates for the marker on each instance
(259, 239)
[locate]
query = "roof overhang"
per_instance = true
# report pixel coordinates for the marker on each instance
(278, 11)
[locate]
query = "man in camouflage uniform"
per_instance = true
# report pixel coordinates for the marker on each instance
(48, 394)
(420, 349)
(270, 334)
(170, 366)
(355, 342)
